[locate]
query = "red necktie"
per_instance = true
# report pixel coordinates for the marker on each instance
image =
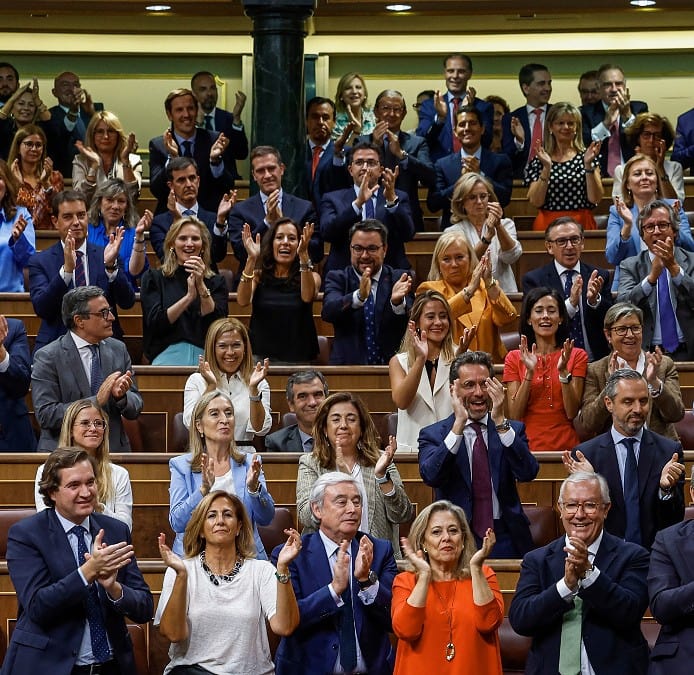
(316, 159)
(614, 152)
(456, 142)
(482, 508)
(537, 134)
(80, 275)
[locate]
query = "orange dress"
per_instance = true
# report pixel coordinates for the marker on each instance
(423, 632)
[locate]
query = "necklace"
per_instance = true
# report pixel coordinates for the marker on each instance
(448, 611)
(216, 578)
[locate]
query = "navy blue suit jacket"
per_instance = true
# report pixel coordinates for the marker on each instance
(656, 451)
(313, 647)
(16, 433)
(494, 166)
(238, 142)
(612, 608)
(211, 189)
(338, 216)
(592, 317)
(449, 474)
(284, 440)
(61, 142)
(52, 597)
(349, 346)
(47, 288)
(592, 116)
(683, 149)
(328, 176)
(519, 158)
(440, 136)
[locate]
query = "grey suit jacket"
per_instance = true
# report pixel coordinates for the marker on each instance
(633, 271)
(58, 379)
(287, 439)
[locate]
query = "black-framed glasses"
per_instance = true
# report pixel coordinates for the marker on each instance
(37, 145)
(623, 330)
(563, 242)
(662, 226)
(103, 313)
(589, 508)
(366, 249)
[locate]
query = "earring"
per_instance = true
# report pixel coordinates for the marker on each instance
(424, 550)
(172, 250)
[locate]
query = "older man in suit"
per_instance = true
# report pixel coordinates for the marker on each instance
(85, 363)
(474, 457)
(472, 158)
(581, 284)
(73, 262)
(306, 390)
(581, 598)
(660, 282)
(184, 139)
(643, 470)
(368, 301)
(343, 584)
(76, 579)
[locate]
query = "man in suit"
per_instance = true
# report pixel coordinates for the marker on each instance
(16, 433)
(683, 149)
(589, 88)
(437, 115)
(183, 181)
(609, 118)
(61, 267)
(522, 127)
(472, 158)
(367, 302)
(581, 284)
(474, 457)
(212, 118)
(670, 587)
(406, 152)
(69, 120)
(643, 470)
(372, 196)
(581, 598)
(306, 390)
(343, 585)
(85, 363)
(76, 579)
(9, 81)
(265, 208)
(184, 139)
(660, 282)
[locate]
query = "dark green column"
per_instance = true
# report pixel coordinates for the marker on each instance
(278, 80)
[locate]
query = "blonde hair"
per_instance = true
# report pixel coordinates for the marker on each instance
(462, 190)
(112, 122)
(407, 345)
(442, 243)
(216, 329)
(553, 114)
(342, 85)
(627, 195)
(170, 264)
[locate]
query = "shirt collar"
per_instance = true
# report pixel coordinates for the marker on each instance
(264, 197)
(67, 525)
(484, 421)
(329, 545)
(617, 437)
(80, 342)
(593, 548)
(180, 208)
(477, 154)
(561, 269)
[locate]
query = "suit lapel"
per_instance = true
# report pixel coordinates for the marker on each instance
(63, 555)
(383, 290)
(368, 475)
(611, 471)
(495, 453)
(73, 363)
(645, 466)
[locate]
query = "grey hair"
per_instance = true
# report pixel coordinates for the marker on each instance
(76, 303)
(615, 378)
(647, 210)
(323, 482)
(584, 477)
(621, 310)
(304, 377)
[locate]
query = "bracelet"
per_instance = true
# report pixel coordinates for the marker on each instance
(139, 241)
(492, 283)
(244, 281)
(247, 277)
(139, 250)
(395, 202)
(255, 492)
(382, 481)
(466, 295)
(591, 170)
(543, 179)
(305, 267)
(256, 398)
(206, 294)
(486, 241)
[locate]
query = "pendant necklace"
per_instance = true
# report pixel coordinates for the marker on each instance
(448, 611)
(216, 578)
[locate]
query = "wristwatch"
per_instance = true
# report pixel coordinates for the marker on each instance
(567, 379)
(370, 580)
(504, 426)
(283, 578)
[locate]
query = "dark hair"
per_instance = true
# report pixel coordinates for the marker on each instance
(262, 151)
(634, 131)
(527, 73)
(66, 196)
(366, 145)
(427, 92)
(617, 376)
(267, 258)
(589, 75)
(304, 377)
(610, 66)
(458, 55)
(76, 303)
(179, 164)
(478, 358)
(177, 93)
(529, 301)
(59, 459)
(200, 73)
(470, 110)
(5, 64)
(9, 201)
(320, 100)
(493, 99)
(370, 225)
(562, 220)
(647, 210)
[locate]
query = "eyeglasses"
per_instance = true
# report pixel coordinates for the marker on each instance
(366, 249)
(563, 242)
(33, 145)
(86, 424)
(390, 109)
(589, 508)
(652, 134)
(623, 330)
(650, 227)
(103, 313)
(366, 162)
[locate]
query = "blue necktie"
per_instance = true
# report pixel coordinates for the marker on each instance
(188, 212)
(96, 375)
(97, 627)
(348, 640)
(369, 211)
(631, 493)
(187, 148)
(668, 322)
(208, 123)
(575, 327)
(80, 274)
(373, 353)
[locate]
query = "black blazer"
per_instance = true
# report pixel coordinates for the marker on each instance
(328, 176)
(519, 158)
(285, 440)
(238, 142)
(61, 142)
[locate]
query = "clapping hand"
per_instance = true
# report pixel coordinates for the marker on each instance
(466, 339)
(482, 554)
(419, 340)
(386, 458)
(253, 474)
(417, 559)
(289, 551)
(564, 357)
(528, 356)
(251, 245)
(579, 463)
(169, 558)
(207, 373)
(259, 373)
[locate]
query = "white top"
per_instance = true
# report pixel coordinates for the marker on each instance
(120, 506)
(673, 170)
(226, 623)
(502, 261)
(239, 393)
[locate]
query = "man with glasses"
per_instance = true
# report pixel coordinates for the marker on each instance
(372, 196)
(581, 285)
(581, 598)
(623, 329)
(406, 152)
(659, 282)
(86, 362)
(73, 262)
(368, 301)
(644, 470)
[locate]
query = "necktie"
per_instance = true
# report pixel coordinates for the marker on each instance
(570, 645)
(575, 327)
(614, 151)
(668, 322)
(456, 142)
(536, 135)
(187, 148)
(208, 123)
(482, 512)
(369, 210)
(631, 493)
(80, 274)
(315, 161)
(96, 375)
(348, 640)
(308, 445)
(97, 627)
(373, 353)
(188, 212)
